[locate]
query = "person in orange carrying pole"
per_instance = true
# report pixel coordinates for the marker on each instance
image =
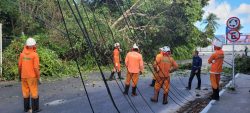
(216, 61)
(135, 66)
(28, 68)
(116, 61)
(165, 65)
(155, 68)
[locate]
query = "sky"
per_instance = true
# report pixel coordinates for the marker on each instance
(224, 9)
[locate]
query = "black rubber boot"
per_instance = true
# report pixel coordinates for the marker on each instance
(119, 75)
(134, 91)
(126, 90)
(189, 86)
(217, 94)
(165, 99)
(26, 103)
(198, 88)
(212, 97)
(153, 83)
(155, 97)
(111, 76)
(35, 105)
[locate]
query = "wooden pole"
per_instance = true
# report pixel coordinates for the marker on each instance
(1, 51)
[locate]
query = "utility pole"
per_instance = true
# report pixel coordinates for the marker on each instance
(1, 51)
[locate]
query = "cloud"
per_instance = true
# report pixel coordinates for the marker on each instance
(220, 10)
(243, 9)
(224, 11)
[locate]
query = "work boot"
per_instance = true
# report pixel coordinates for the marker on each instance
(119, 75)
(111, 76)
(217, 94)
(126, 90)
(165, 99)
(189, 86)
(26, 103)
(155, 97)
(153, 83)
(198, 88)
(134, 91)
(35, 105)
(212, 97)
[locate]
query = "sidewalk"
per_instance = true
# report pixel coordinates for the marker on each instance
(234, 102)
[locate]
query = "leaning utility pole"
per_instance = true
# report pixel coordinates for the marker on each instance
(1, 51)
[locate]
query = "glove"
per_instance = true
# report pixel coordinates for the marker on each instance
(39, 81)
(140, 73)
(19, 78)
(171, 71)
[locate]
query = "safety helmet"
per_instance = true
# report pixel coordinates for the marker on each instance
(218, 43)
(166, 49)
(135, 46)
(117, 44)
(30, 42)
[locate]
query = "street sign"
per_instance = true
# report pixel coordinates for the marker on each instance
(233, 22)
(233, 35)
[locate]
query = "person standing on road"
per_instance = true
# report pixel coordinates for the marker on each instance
(116, 61)
(216, 61)
(196, 70)
(246, 49)
(28, 68)
(155, 68)
(135, 66)
(165, 65)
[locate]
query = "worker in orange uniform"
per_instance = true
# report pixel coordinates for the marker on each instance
(116, 61)
(216, 61)
(155, 68)
(29, 73)
(165, 65)
(135, 66)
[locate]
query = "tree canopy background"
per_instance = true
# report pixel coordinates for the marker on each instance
(149, 23)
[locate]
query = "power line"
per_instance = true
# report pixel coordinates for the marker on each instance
(85, 33)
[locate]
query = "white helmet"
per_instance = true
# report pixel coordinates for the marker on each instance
(166, 49)
(135, 46)
(116, 44)
(30, 42)
(218, 43)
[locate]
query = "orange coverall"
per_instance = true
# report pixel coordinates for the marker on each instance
(165, 64)
(28, 62)
(134, 64)
(216, 59)
(116, 60)
(155, 65)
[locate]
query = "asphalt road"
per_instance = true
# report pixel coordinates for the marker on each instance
(68, 96)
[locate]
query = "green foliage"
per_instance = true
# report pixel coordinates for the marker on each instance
(185, 66)
(155, 24)
(50, 64)
(242, 65)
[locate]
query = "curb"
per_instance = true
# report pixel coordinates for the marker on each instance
(206, 109)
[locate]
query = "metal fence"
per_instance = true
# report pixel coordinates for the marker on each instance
(7, 41)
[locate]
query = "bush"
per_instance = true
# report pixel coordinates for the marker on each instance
(50, 64)
(187, 66)
(242, 65)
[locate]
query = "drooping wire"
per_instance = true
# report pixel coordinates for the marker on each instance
(134, 34)
(87, 39)
(71, 45)
(101, 35)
